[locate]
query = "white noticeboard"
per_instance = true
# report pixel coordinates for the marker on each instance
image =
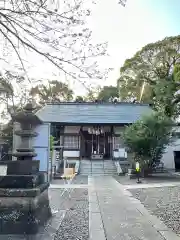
(3, 170)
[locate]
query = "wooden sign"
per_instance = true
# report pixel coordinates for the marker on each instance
(68, 171)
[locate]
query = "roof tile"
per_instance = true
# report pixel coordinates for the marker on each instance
(107, 113)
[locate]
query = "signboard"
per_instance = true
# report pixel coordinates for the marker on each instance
(3, 170)
(137, 166)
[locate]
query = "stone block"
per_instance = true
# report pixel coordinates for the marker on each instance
(21, 181)
(24, 215)
(23, 167)
(14, 192)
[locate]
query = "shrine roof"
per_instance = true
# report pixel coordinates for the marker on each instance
(93, 113)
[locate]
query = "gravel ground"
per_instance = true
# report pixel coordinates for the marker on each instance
(75, 225)
(163, 202)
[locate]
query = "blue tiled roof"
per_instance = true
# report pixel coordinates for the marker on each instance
(107, 113)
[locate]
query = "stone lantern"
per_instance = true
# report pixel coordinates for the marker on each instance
(24, 202)
(25, 152)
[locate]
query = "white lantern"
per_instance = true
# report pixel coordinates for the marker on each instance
(98, 131)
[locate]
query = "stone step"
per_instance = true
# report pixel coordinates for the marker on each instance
(110, 170)
(99, 174)
(85, 167)
(97, 168)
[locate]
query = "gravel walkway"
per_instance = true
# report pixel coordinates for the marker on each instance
(75, 225)
(163, 202)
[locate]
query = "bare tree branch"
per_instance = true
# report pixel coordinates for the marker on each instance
(55, 30)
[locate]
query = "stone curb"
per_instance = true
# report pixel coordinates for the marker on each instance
(96, 229)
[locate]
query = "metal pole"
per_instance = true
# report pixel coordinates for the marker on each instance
(104, 144)
(64, 164)
(92, 144)
(96, 144)
(98, 137)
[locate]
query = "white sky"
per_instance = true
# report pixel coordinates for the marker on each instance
(125, 29)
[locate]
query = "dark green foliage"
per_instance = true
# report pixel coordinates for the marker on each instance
(79, 99)
(54, 91)
(152, 75)
(148, 137)
(108, 92)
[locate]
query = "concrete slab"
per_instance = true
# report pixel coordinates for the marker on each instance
(94, 207)
(96, 229)
(121, 216)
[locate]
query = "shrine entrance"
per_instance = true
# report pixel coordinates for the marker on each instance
(95, 143)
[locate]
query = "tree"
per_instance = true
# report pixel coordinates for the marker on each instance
(163, 101)
(79, 99)
(148, 138)
(166, 94)
(152, 63)
(7, 134)
(92, 94)
(54, 91)
(11, 97)
(54, 30)
(107, 93)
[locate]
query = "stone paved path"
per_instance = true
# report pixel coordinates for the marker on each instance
(114, 214)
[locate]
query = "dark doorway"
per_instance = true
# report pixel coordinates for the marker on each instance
(177, 160)
(90, 144)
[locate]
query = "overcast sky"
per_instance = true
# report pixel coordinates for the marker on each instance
(129, 29)
(126, 30)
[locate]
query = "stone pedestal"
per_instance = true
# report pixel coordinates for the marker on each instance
(24, 202)
(22, 211)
